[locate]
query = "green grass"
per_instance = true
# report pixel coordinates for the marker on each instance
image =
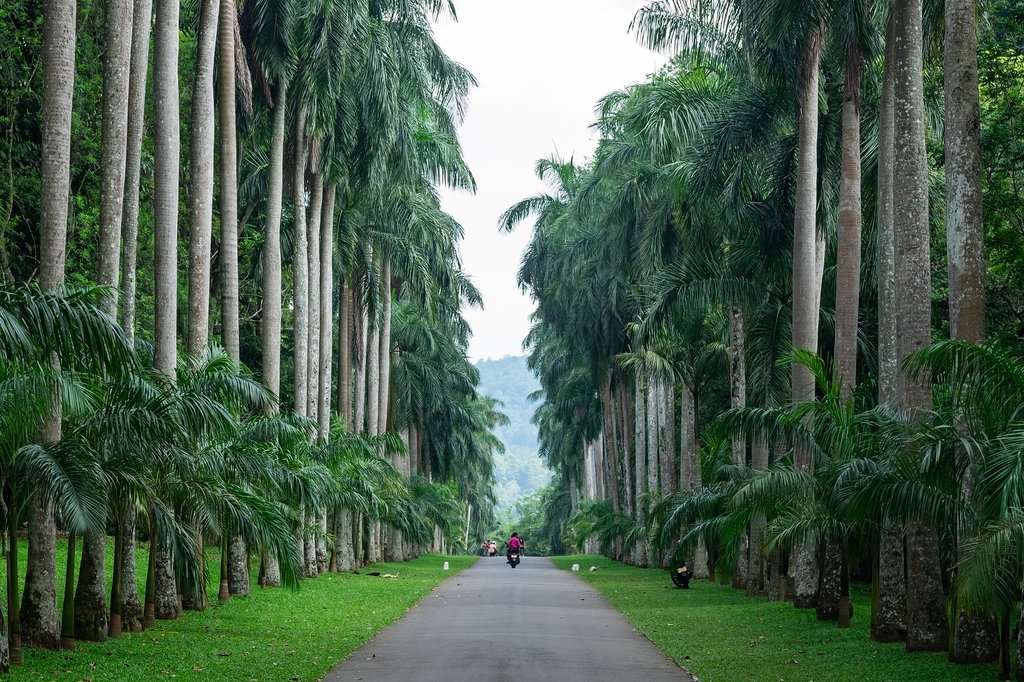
(720, 635)
(275, 634)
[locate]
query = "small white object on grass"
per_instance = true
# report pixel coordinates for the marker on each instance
(446, 565)
(593, 568)
(575, 568)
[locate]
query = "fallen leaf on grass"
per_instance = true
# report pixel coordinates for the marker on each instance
(198, 669)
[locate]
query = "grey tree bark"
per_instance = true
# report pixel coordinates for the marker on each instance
(385, 344)
(38, 620)
(91, 616)
(142, 23)
(849, 256)
(806, 282)
(313, 264)
(228, 183)
(361, 335)
(238, 567)
(200, 194)
(889, 606)
(326, 310)
(131, 606)
(300, 268)
(738, 399)
(345, 549)
(927, 629)
(166, 592)
(345, 320)
(640, 461)
(270, 327)
(975, 640)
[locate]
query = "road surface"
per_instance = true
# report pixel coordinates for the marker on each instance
(492, 622)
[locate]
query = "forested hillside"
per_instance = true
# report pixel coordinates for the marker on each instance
(519, 471)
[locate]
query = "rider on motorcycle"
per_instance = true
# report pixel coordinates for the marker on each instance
(513, 544)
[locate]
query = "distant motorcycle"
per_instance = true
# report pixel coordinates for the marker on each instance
(513, 558)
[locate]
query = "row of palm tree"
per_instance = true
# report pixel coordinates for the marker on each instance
(717, 384)
(332, 126)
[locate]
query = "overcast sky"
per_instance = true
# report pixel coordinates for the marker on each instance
(542, 66)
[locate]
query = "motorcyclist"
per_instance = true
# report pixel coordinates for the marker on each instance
(514, 544)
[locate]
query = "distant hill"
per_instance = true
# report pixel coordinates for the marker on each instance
(519, 471)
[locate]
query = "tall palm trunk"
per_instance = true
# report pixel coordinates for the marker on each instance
(927, 629)
(90, 595)
(738, 399)
(166, 153)
(888, 607)
(975, 640)
(640, 461)
(757, 567)
(38, 620)
(200, 195)
(690, 472)
(10, 650)
(316, 198)
(806, 285)
(361, 334)
(385, 345)
(345, 319)
(238, 553)
(228, 185)
(117, 84)
(200, 207)
(270, 326)
(131, 607)
(326, 309)
(141, 28)
(300, 268)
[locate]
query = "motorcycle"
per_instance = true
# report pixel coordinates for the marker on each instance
(513, 558)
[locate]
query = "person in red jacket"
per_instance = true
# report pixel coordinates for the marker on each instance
(513, 544)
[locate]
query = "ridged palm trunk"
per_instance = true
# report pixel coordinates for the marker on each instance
(640, 460)
(316, 198)
(270, 324)
(360, 333)
(806, 286)
(228, 182)
(37, 620)
(91, 616)
(131, 606)
(166, 153)
(888, 604)
(738, 399)
(300, 268)
(927, 628)
(142, 23)
(326, 310)
(373, 388)
(975, 640)
(383, 398)
(200, 208)
(125, 596)
(345, 324)
(200, 195)
(689, 460)
(757, 567)
(39, 623)
(847, 305)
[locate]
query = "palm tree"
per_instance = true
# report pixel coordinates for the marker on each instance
(200, 196)
(58, 78)
(166, 161)
(226, 69)
(972, 641)
(926, 614)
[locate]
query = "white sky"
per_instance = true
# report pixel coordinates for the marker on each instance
(542, 66)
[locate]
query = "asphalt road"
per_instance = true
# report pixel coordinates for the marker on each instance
(492, 622)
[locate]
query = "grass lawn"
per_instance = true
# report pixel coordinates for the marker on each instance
(275, 634)
(719, 634)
